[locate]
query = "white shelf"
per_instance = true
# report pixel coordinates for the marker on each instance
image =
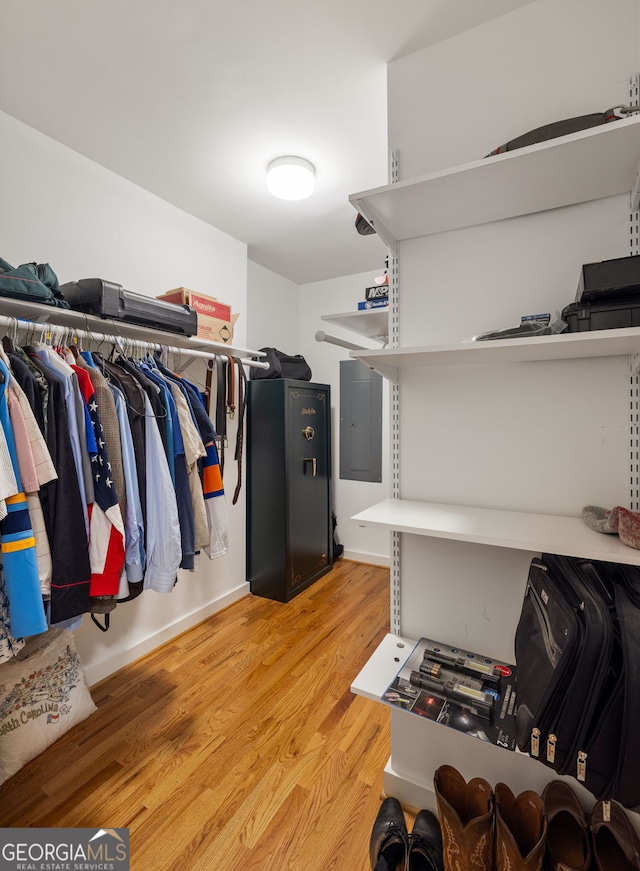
(563, 346)
(539, 533)
(64, 317)
(382, 666)
(373, 322)
(588, 165)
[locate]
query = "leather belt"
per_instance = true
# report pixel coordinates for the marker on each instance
(242, 384)
(231, 391)
(220, 418)
(225, 407)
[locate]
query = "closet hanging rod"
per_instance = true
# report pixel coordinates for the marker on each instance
(21, 324)
(321, 336)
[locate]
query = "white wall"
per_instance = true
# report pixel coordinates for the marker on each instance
(458, 100)
(61, 208)
(529, 67)
(330, 297)
(273, 308)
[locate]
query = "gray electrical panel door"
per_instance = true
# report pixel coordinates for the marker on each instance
(360, 422)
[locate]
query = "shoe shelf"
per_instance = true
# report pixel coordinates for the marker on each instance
(588, 165)
(538, 533)
(381, 668)
(372, 323)
(562, 346)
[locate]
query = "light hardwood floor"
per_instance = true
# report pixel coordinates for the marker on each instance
(238, 745)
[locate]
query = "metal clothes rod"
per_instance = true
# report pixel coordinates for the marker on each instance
(321, 336)
(58, 331)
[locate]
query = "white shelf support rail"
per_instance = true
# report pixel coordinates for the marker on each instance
(393, 271)
(634, 360)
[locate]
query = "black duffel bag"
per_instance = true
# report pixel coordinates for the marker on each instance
(282, 365)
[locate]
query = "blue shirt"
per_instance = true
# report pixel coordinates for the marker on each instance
(133, 522)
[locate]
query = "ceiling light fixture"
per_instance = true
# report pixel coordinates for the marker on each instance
(291, 178)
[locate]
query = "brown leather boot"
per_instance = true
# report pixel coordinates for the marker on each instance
(521, 830)
(466, 818)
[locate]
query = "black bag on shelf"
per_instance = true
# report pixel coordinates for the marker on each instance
(282, 365)
(564, 127)
(571, 695)
(578, 672)
(33, 282)
(620, 718)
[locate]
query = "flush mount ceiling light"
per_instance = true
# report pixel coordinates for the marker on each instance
(291, 178)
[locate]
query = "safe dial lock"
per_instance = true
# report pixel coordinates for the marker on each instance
(308, 432)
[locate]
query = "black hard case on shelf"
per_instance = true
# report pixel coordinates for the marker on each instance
(609, 280)
(607, 298)
(581, 317)
(289, 531)
(105, 299)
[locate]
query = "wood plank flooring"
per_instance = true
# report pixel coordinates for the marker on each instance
(238, 745)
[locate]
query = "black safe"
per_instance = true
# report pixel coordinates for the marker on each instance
(289, 530)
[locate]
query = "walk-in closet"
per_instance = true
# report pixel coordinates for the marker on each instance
(321, 538)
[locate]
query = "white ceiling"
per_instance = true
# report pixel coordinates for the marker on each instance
(191, 99)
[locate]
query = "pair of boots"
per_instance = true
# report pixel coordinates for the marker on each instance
(610, 841)
(392, 848)
(483, 829)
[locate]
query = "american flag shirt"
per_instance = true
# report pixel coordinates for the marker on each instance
(106, 527)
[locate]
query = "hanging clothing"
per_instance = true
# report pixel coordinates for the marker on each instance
(110, 430)
(53, 367)
(194, 451)
(134, 524)
(106, 539)
(177, 470)
(62, 509)
(27, 381)
(22, 583)
(31, 485)
(217, 513)
(164, 550)
(134, 398)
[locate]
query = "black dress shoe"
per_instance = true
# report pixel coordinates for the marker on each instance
(425, 844)
(389, 842)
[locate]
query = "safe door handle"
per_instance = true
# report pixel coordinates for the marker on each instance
(314, 464)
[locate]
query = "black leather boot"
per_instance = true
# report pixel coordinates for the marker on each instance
(425, 844)
(389, 842)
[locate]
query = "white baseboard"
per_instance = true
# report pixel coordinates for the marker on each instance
(372, 559)
(101, 670)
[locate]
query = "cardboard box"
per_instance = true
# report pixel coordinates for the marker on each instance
(215, 319)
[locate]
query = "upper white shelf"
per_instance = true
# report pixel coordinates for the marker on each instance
(588, 165)
(29, 311)
(373, 322)
(563, 346)
(539, 533)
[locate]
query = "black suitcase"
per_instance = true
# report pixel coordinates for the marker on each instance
(108, 300)
(565, 649)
